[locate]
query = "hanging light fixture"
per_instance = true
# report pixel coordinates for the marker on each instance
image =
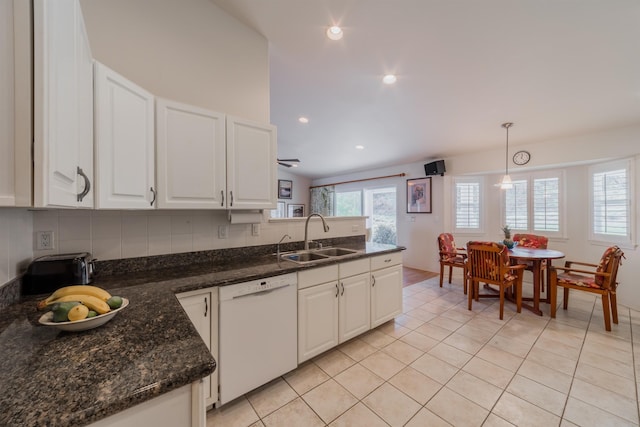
(506, 183)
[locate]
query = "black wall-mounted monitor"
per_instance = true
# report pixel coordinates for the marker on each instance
(435, 168)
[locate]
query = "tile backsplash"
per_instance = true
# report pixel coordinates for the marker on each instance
(16, 242)
(128, 234)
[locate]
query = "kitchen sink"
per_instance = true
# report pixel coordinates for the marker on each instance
(304, 257)
(335, 251)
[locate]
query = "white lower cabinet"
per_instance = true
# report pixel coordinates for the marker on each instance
(354, 299)
(386, 288)
(202, 308)
(317, 311)
(182, 407)
(333, 306)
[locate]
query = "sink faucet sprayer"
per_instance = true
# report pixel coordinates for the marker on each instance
(306, 229)
(278, 248)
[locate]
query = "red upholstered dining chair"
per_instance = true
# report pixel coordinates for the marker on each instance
(582, 276)
(451, 257)
(488, 262)
(536, 242)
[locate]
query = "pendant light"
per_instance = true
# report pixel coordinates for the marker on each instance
(506, 183)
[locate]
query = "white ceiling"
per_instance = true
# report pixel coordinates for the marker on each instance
(556, 68)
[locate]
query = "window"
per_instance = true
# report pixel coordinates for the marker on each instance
(349, 203)
(611, 204)
(467, 210)
(534, 204)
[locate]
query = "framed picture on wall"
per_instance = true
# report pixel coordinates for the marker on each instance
(279, 211)
(419, 195)
(295, 211)
(285, 189)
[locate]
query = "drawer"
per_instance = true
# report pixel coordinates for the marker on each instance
(351, 268)
(316, 276)
(386, 260)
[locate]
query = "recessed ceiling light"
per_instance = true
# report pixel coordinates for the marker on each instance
(359, 147)
(294, 165)
(303, 119)
(334, 33)
(389, 79)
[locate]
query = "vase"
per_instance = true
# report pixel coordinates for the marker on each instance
(509, 243)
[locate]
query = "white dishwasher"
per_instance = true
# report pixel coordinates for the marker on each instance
(258, 333)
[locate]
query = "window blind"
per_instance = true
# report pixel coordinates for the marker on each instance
(467, 211)
(611, 206)
(546, 204)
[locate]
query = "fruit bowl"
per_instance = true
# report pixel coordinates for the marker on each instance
(84, 324)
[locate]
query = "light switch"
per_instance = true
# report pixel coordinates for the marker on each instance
(223, 231)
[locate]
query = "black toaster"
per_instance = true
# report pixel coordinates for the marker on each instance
(48, 273)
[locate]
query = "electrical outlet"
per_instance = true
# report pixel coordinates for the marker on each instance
(44, 240)
(223, 231)
(255, 229)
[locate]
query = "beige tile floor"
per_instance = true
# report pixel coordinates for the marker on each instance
(439, 364)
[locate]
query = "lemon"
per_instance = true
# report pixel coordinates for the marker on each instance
(78, 312)
(114, 302)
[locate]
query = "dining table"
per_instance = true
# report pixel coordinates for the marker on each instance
(537, 257)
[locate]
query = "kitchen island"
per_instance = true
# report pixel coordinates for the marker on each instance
(150, 348)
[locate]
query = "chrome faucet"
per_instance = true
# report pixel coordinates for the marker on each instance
(306, 229)
(278, 248)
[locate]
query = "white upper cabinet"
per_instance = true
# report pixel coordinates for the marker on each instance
(63, 101)
(124, 142)
(190, 156)
(251, 164)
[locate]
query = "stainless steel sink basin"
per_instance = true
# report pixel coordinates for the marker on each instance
(304, 257)
(335, 251)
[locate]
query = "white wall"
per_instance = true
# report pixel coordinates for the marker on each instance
(418, 232)
(300, 189)
(16, 240)
(189, 51)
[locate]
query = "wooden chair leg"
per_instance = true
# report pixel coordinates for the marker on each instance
(614, 306)
(441, 273)
(471, 292)
(501, 302)
(565, 302)
(553, 299)
(464, 272)
(518, 288)
(450, 272)
(605, 311)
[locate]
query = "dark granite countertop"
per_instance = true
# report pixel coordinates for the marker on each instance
(55, 378)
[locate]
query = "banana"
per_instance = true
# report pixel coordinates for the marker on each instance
(75, 290)
(95, 304)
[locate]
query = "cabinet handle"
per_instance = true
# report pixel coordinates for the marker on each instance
(231, 197)
(374, 281)
(206, 306)
(342, 284)
(154, 196)
(337, 291)
(87, 184)
(387, 260)
(222, 197)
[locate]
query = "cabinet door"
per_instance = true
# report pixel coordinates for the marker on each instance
(386, 294)
(355, 306)
(202, 309)
(317, 320)
(251, 164)
(124, 132)
(191, 158)
(62, 115)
